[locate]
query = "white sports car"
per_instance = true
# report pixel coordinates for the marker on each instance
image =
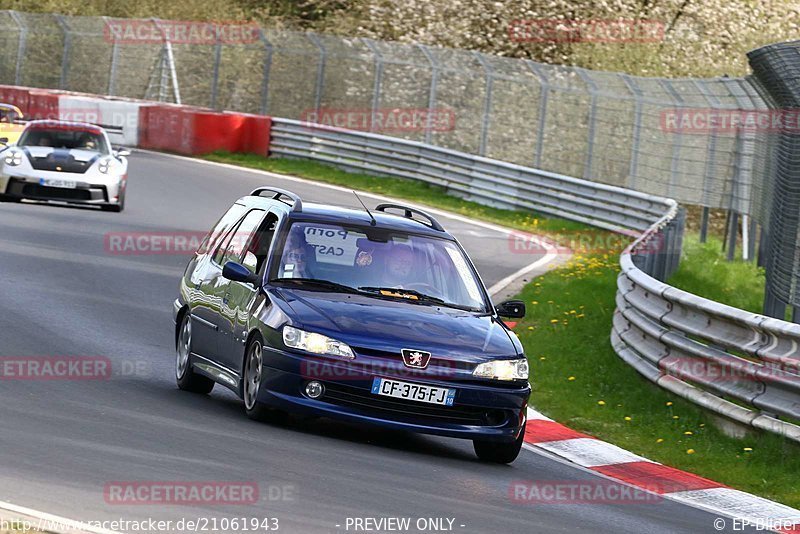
(64, 161)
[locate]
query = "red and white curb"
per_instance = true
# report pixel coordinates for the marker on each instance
(612, 462)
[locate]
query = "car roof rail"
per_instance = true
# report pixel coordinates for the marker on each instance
(409, 213)
(296, 202)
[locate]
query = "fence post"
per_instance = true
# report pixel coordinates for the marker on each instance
(112, 70)
(431, 91)
(320, 70)
(587, 165)
(637, 128)
(487, 104)
(704, 224)
(215, 71)
(21, 46)
(545, 85)
(376, 86)
(267, 68)
(62, 82)
(677, 138)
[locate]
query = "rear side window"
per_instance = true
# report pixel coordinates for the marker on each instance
(223, 225)
(234, 250)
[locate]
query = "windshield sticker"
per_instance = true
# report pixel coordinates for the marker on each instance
(465, 272)
(364, 259)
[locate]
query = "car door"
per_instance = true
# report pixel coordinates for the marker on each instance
(252, 240)
(201, 283)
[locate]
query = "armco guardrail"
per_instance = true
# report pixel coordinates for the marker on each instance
(740, 365)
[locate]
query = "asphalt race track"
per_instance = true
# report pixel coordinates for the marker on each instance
(61, 442)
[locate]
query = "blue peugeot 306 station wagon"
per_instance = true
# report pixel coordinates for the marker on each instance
(374, 317)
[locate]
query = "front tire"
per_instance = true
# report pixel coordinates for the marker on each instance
(251, 384)
(185, 376)
(499, 452)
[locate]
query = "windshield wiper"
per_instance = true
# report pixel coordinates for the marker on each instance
(316, 282)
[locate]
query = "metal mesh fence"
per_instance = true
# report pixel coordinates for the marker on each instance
(777, 69)
(607, 127)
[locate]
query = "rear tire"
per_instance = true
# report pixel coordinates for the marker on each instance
(185, 376)
(499, 452)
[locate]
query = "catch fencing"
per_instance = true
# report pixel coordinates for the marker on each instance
(594, 147)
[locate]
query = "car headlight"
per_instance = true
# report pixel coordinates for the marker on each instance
(104, 166)
(13, 158)
(315, 343)
(503, 370)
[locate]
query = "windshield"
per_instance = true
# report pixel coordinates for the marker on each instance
(64, 138)
(8, 115)
(419, 268)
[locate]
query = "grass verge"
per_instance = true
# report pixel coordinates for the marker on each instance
(578, 379)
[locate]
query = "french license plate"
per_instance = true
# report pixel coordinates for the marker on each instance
(417, 392)
(55, 182)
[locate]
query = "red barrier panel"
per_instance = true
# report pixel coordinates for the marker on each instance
(196, 131)
(42, 105)
(17, 96)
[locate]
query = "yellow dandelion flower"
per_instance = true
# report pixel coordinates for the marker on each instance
(688, 433)
(627, 418)
(601, 402)
(660, 440)
(690, 451)
(571, 378)
(669, 403)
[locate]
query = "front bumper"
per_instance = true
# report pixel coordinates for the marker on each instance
(484, 412)
(83, 193)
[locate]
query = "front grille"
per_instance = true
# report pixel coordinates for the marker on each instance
(41, 191)
(61, 161)
(391, 408)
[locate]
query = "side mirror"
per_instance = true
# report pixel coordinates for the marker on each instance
(121, 152)
(238, 273)
(514, 309)
(3, 140)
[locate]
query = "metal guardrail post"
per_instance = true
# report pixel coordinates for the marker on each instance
(320, 83)
(62, 23)
(545, 90)
(21, 46)
(431, 90)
